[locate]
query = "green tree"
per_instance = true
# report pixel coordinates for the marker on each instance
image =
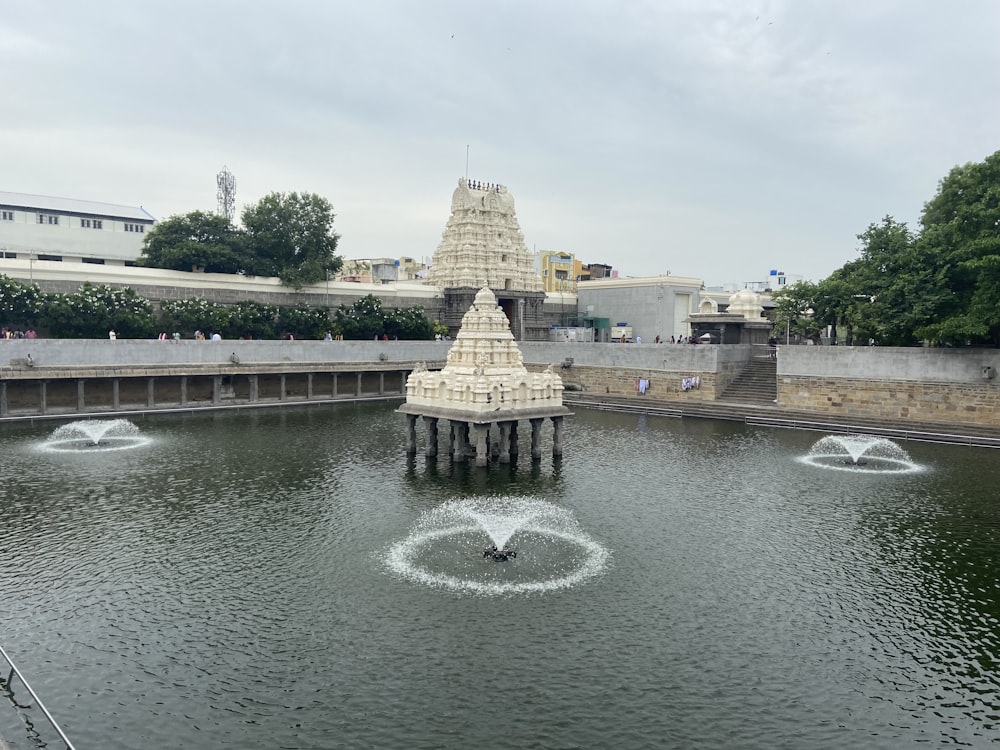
(95, 310)
(304, 322)
(193, 241)
(20, 303)
(897, 288)
(291, 236)
(250, 319)
(793, 309)
(185, 316)
(960, 242)
(410, 323)
(942, 284)
(364, 319)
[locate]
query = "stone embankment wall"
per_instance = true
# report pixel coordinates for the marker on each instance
(947, 386)
(673, 373)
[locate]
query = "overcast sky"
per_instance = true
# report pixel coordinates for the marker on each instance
(710, 138)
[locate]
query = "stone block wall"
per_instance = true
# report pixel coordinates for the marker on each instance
(945, 403)
(946, 386)
(664, 385)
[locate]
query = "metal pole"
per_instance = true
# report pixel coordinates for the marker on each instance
(38, 701)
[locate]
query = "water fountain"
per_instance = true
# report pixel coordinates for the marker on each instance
(443, 547)
(861, 453)
(95, 435)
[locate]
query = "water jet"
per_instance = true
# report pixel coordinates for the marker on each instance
(435, 553)
(95, 435)
(860, 453)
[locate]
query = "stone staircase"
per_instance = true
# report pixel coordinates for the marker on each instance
(757, 384)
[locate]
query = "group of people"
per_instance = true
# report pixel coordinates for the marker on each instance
(175, 336)
(676, 340)
(11, 333)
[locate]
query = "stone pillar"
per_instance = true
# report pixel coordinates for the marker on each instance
(335, 385)
(309, 386)
(358, 392)
(505, 442)
(536, 447)
(80, 402)
(43, 396)
(281, 385)
(184, 390)
(557, 436)
(3, 399)
(513, 440)
(381, 383)
(216, 388)
(115, 394)
(459, 436)
(411, 434)
(150, 391)
(432, 433)
(482, 432)
(254, 387)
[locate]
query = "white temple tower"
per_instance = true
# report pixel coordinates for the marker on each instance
(482, 245)
(484, 385)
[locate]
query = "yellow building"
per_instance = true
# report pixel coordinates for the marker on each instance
(558, 271)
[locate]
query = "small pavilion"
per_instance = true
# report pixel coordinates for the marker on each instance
(484, 389)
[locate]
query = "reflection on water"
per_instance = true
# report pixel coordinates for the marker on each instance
(224, 585)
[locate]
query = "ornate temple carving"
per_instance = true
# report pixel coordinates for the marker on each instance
(485, 374)
(482, 243)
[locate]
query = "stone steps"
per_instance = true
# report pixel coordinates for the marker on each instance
(772, 415)
(757, 384)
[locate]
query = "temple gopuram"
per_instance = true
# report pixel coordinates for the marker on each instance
(482, 245)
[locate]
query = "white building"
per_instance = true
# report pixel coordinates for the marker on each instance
(39, 227)
(650, 306)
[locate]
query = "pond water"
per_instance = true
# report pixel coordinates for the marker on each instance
(286, 578)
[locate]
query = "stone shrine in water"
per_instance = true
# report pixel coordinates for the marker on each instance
(483, 388)
(482, 245)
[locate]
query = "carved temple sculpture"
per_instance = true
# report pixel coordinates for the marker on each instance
(482, 245)
(484, 390)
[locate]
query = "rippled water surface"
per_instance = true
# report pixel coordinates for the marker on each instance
(228, 582)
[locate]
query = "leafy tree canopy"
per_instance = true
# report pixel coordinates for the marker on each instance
(95, 310)
(941, 284)
(19, 302)
(362, 320)
(961, 241)
(291, 236)
(194, 241)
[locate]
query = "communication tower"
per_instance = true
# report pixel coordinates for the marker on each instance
(226, 194)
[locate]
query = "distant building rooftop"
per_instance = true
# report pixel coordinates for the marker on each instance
(72, 206)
